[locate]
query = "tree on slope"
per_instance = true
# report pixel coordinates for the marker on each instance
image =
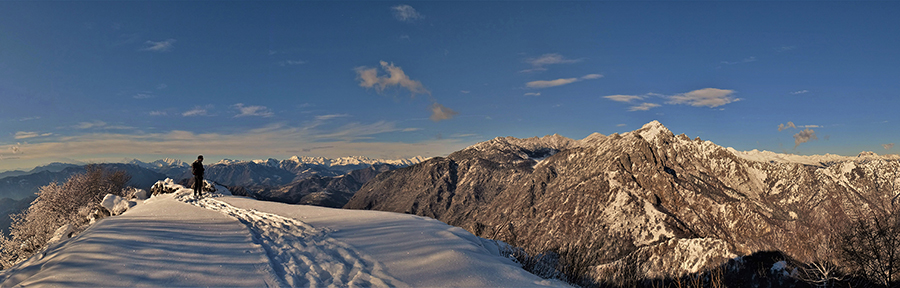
(56, 205)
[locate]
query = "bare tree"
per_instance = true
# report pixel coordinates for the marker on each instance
(871, 242)
(55, 206)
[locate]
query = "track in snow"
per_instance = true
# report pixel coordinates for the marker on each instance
(301, 255)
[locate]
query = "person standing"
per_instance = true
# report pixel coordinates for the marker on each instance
(197, 170)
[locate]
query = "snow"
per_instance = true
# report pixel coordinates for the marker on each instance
(652, 129)
(815, 160)
(115, 204)
(174, 240)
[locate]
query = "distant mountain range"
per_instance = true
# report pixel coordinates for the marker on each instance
(647, 201)
(298, 180)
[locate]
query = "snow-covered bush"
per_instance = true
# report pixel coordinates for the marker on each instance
(73, 202)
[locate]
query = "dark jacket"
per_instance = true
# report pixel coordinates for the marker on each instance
(197, 168)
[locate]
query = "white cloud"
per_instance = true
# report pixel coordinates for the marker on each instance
(26, 135)
(800, 92)
(29, 118)
(331, 116)
(369, 78)
(533, 94)
(643, 107)
(291, 63)
(560, 81)
(620, 125)
(142, 96)
(160, 46)
(406, 13)
(88, 125)
(537, 64)
(465, 91)
(158, 113)
(197, 111)
(550, 83)
(709, 97)
(260, 111)
(745, 60)
(624, 98)
(162, 86)
(804, 136)
(439, 112)
(888, 146)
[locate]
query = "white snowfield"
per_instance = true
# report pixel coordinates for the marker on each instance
(172, 240)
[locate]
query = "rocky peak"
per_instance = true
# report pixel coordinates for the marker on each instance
(652, 130)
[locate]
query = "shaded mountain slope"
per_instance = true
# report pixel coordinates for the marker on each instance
(603, 198)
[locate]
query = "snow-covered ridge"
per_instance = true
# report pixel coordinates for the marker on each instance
(174, 240)
(769, 156)
(655, 130)
(329, 162)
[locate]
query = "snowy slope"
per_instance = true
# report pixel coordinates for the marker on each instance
(172, 240)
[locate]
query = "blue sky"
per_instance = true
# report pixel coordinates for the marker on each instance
(102, 81)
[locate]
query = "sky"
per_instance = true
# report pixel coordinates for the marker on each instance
(101, 81)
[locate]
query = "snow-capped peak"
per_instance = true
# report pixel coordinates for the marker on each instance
(653, 129)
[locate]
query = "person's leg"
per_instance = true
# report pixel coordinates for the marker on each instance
(198, 182)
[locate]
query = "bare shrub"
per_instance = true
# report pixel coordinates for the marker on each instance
(871, 247)
(56, 205)
(870, 244)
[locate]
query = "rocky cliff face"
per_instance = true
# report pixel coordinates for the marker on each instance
(674, 204)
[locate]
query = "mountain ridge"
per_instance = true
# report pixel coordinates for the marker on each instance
(608, 198)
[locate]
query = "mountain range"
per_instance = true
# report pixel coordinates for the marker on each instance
(646, 201)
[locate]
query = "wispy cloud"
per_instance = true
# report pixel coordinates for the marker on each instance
(291, 63)
(709, 97)
(331, 116)
(259, 111)
(197, 111)
(406, 13)
(561, 81)
(538, 63)
(369, 78)
(465, 91)
(533, 94)
(550, 83)
(265, 141)
(800, 92)
(439, 112)
(620, 125)
(158, 113)
(29, 118)
(745, 60)
(162, 86)
(888, 146)
(143, 95)
(26, 134)
(159, 46)
(624, 98)
(782, 127)
(785, 48)
(643, 107)
(789, 124)
(89, 125)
